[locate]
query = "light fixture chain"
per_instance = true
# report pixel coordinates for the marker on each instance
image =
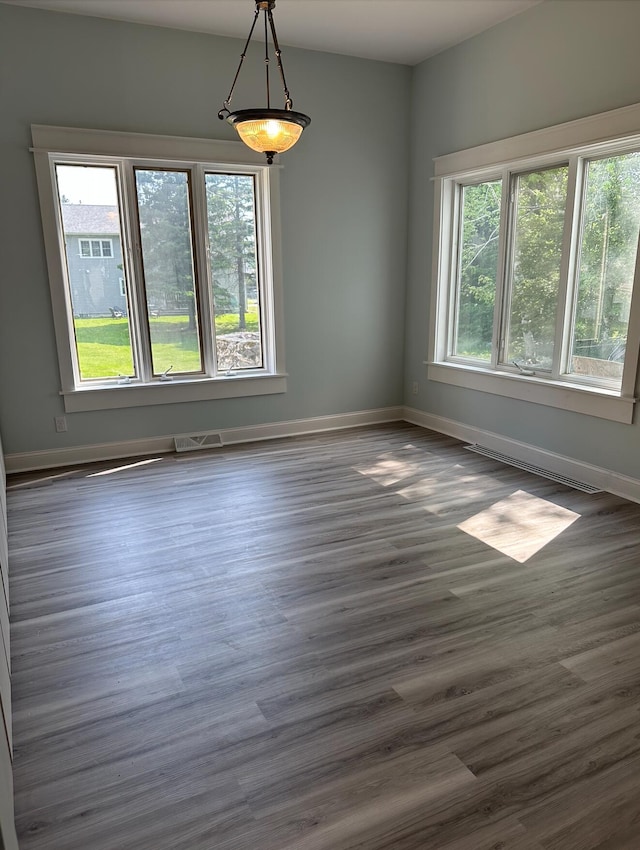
(266, 56)
(269, 131)
(287, 96)
(227, 102)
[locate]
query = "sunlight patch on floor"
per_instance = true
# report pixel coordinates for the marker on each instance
(520, 525)
(387, 471)
(420, 481)
(472, 485)
(121, 468)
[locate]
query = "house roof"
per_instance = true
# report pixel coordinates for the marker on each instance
(98, 219)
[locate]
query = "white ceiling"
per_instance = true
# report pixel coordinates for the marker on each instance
(405, 31)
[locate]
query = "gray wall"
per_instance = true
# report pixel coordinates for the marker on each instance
(344, 193)
(559, 61)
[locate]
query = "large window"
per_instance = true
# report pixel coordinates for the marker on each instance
(536, 261)
(163, 264)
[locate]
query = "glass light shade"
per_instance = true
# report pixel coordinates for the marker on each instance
(269, 131)
(269, 135)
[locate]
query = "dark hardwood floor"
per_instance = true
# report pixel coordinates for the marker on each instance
(368, 639)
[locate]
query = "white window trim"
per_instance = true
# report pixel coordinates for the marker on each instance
(55, 142)
(608, 132)
(91, 255)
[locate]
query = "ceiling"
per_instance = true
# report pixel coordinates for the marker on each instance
(404, 31)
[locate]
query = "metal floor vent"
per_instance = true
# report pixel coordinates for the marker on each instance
(194, 442)
(536, 470)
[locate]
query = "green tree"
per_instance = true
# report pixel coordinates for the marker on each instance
(478, 265)
(165, 228)
(608, 252)
(539, 225)
(231, 219)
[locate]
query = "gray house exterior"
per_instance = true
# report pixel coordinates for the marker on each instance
(94, 259)
(96, 270)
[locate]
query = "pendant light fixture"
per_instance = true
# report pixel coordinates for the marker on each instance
(269, 131)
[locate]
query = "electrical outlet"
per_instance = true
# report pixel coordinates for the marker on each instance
(414, 388)
(61, 424)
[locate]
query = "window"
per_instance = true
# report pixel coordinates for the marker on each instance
(189, 305)
(96, 248)
(536, 254)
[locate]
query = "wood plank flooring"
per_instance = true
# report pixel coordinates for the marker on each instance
(354, 640)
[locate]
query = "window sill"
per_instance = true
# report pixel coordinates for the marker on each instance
(172, 392)
(593, 401)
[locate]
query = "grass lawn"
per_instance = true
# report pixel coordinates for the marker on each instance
(104, 346)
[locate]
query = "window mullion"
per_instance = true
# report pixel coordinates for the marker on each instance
(443, 278)
(505, 279)
(454, 270)
(266, 285)
(568, 268)
(630, 369)
(138, 321)
(203, 270)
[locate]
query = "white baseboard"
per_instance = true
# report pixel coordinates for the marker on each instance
(51, 458)
(605, 479)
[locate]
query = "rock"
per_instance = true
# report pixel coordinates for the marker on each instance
(241, 350)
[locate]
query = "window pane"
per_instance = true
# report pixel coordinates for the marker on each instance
(106, 249)
(165, 232)
(539, 223)
(234, 270)
(95, 248)
(477, 270)
(89, 203)
(611, 222)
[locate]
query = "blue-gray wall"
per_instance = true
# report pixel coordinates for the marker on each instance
(559, 61)
(344, 201)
